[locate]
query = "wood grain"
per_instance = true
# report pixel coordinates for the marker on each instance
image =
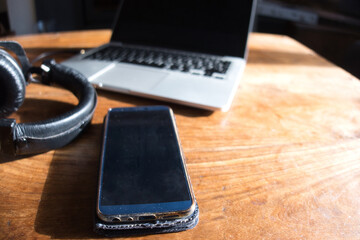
(283, 163)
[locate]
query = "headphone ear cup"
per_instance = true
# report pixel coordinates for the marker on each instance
(12, 85)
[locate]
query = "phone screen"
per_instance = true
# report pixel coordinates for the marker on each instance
(142, 168)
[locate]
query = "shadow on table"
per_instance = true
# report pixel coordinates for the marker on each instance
(142, 101)
(67, 205)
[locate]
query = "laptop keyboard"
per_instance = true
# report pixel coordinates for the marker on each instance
(198, 65)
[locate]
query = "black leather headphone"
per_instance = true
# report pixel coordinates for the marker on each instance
(37, 137)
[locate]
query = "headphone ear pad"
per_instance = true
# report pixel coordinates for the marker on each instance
(12, 85)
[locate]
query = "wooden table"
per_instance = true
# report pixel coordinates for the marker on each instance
(283, 163)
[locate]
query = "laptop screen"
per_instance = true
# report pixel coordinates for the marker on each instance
(209, 26)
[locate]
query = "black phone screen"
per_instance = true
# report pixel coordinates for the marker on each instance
(142, 161)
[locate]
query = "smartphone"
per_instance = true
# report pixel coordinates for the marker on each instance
(143, 176)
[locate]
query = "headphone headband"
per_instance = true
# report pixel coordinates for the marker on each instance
(42, 136)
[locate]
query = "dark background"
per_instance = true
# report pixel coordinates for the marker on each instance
(335, 34)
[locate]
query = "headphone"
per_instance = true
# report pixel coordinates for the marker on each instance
(37, 137)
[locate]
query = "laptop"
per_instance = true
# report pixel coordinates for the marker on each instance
(190, 52)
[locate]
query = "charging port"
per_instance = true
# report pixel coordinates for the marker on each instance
(147, 218)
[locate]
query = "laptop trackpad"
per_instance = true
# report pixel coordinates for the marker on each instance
(131, 78)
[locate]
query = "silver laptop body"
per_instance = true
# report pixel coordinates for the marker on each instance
(190, 52)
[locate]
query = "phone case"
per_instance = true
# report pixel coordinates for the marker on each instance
(145, 228)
